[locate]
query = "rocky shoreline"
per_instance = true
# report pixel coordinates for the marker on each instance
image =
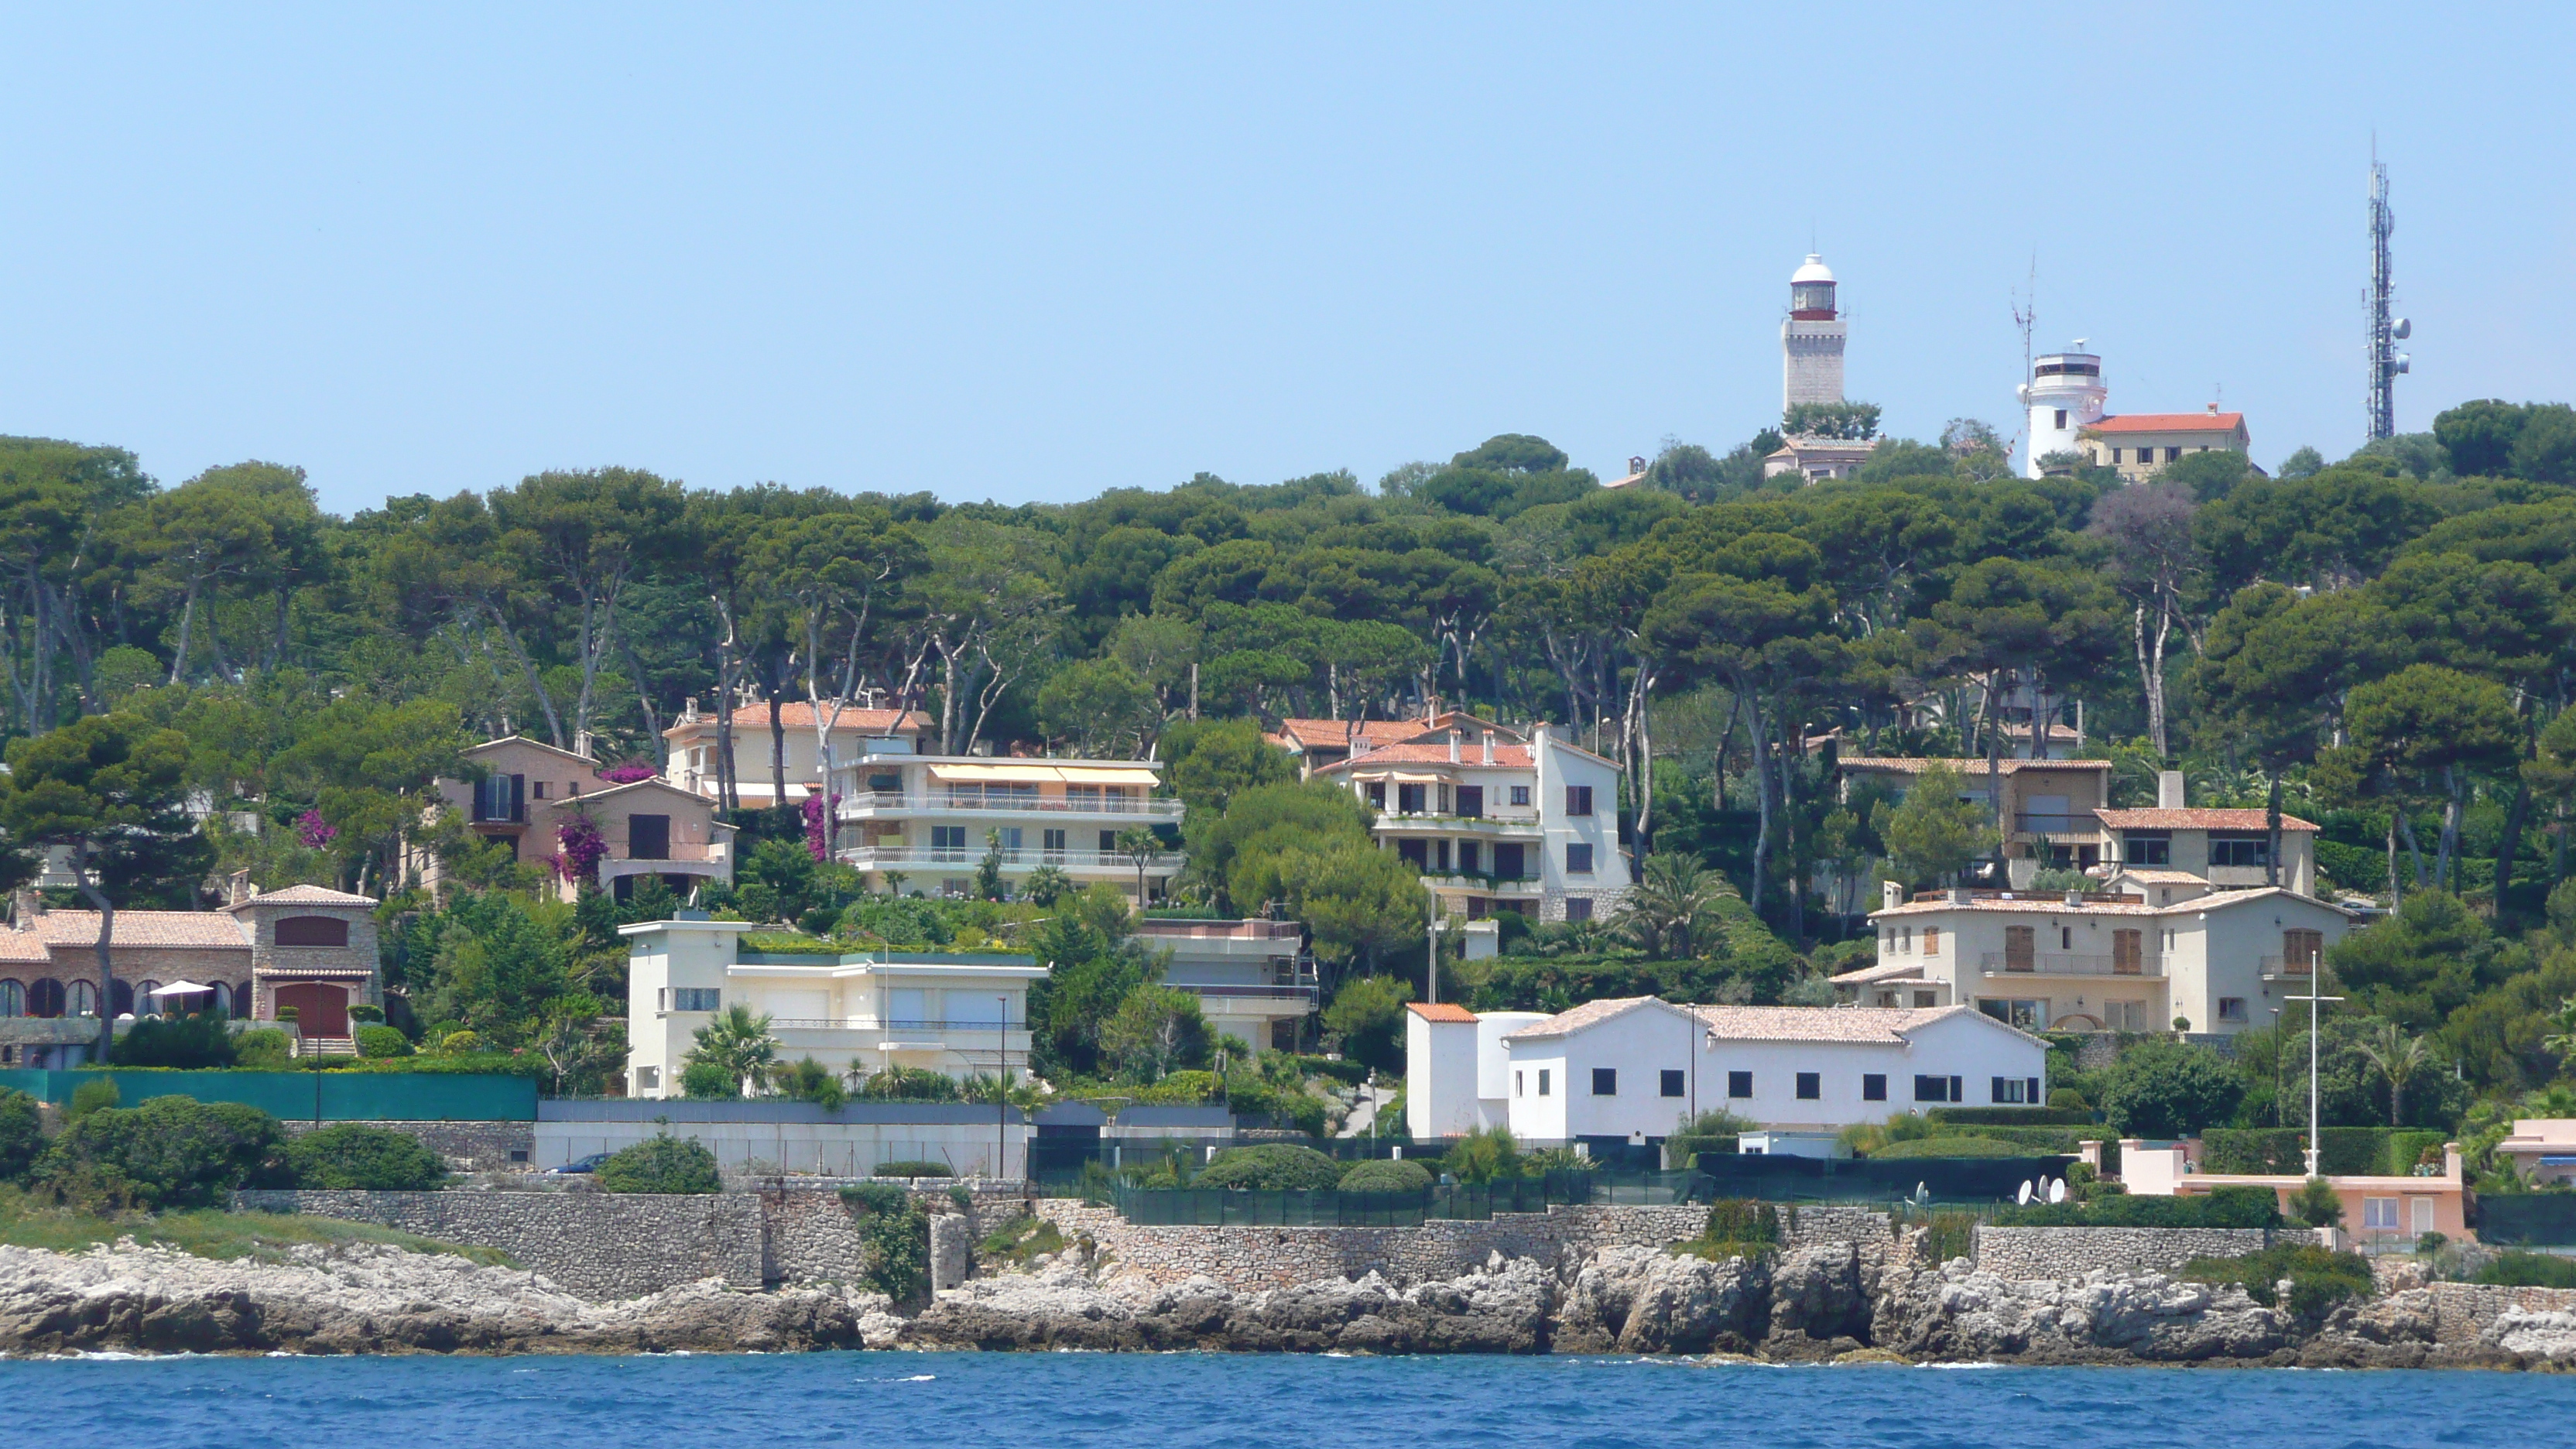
(1834, 1302)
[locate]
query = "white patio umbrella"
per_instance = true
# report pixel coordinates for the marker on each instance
(179, 988)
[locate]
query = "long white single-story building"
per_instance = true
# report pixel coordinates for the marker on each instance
(1631, 1070)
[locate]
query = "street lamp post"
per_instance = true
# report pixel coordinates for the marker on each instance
(1002, 1096)
(2312, 999)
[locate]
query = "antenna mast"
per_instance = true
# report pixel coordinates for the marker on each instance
(2386, 331)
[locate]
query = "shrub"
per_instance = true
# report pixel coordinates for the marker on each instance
(2066, 1108)
(2226, 1207)
(1271, 1166)
(897, 1234)
(461, 1041)
(2342, 1151)
(367, 1013)
(912, 1169)
(2519, 1269)
(290, 1014)
(875, 1197)
(193, 1042)
(2170, 1089)
(2318, 1279)
(2317, 1204)
(382, 1041)
(20, 1139)
(1741, 1220)
(1715, 1130)
(665, 1164)
(1956, 1147)
(703, 1081)
(263, 1048)
(1947, 1236)
(1483, 1156)
(1387, 1175)
(169, 1152)
(95, 1095)
(353, 1157)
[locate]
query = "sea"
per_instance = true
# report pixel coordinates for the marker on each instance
(1180, 1401)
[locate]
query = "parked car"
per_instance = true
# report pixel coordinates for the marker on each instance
(582, 1164)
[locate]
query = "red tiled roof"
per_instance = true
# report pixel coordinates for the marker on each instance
(1328, 734)
(2169, 423)
(1505, 757)
(797, 714)
(1441, 1011)
(309, 895)
(1915, 764)
(78, 930)
(2195, 820)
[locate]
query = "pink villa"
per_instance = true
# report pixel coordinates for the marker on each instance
(2377, 1211)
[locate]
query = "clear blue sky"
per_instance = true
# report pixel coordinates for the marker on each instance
(1032, 253)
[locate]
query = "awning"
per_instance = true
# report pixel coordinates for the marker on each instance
(1410, 777)
(1076, 775)
(999, 774)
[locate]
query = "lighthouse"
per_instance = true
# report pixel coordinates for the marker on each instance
(2065, 396)
(1811, 338)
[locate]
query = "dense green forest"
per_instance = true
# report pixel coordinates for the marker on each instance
(2382, 644)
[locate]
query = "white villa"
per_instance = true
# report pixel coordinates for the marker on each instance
(1250, 977)
(860, 1011)
(933, 818)
(1495, 819)
(1627, 1072)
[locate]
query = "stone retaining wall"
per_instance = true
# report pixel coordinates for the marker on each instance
(2063, 1254)
(1249, 1259)
(601, 1246)
(468, 1146)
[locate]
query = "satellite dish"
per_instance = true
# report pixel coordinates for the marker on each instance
(2405, 363)
(2404, 329)
(2024, 1197)
(1922, 1193)
(2057, 1190)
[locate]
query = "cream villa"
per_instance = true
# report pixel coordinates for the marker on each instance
(859, 1012)
(2168, 947)
(930, 819)
(698, 741)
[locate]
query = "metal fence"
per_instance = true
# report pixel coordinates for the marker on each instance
(1782, 1178)
(2527, 1219)
(1330, 1207)
(310, 1096)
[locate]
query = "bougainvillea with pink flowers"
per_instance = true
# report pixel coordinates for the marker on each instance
(627, 772)
(818, 829)
(582, 846)
(315, 831)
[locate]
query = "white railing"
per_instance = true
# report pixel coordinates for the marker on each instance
(866, 803)
(904, 857)
(1997, 963)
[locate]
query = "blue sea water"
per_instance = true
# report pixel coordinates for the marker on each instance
(1175, 1400)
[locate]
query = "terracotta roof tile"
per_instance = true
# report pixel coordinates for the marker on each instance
(310, 895)
(1329, 734)
(2195, 820)
(1441, 1011)
(1864, 1024)
(2056, 905)
(1914, 764)
(209, 930)
(797, 714)
(1588, 1014)
(1516, 757)
(2169, 423)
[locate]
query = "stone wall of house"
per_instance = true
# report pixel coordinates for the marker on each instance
(602, 1246)
(2068, 1253)
(1248, 1259)
(467, 1146)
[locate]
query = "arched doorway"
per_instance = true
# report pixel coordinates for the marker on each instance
(320, 1009)
(124, 998)
(45, 997)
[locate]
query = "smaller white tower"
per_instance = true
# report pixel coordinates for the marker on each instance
(2065, 395)
(1811, 338)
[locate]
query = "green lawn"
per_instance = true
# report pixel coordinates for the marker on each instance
(206, 1232)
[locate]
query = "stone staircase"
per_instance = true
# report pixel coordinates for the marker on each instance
(327, 1046)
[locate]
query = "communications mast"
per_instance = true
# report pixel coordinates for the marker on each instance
(2386, 331)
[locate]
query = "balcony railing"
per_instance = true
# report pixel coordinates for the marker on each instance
(676, 850)
(866, 803)
(2085, 823)
(904, 857)
(1221, 930)
(1998, 963)
(1302, 992)
(2299, 966)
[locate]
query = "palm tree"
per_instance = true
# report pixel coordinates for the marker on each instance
(2398, 1057)
(1670, 904)
(739, 1042)
(1140, 845)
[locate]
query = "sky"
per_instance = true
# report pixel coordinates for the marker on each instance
(1028, 253)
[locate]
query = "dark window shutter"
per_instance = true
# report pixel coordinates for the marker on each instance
(518, 797)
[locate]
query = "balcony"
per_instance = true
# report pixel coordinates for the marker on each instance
(2293, 968)
(859, 1033)
(2083, 823)
(1482, 882)
(874, 804)
(911, 857)
(1519, 824)
(1300, 995)
(1997, 963)
(1221, 930)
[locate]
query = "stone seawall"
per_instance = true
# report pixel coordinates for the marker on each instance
(1248, 1259)
(2067, 1254)
(467, 1146)
(602, 1246)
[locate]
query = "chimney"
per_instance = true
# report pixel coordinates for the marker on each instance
(1488, 738)
(1891, 894)
(25, 905)
(2169, 793)
(237, 888)
(1453, 747)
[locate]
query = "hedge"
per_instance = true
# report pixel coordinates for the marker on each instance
(355, 1157)
(1387, 1175)
(2226, 1207)
(2344, 1151)
(911, 1169)
(1271, 1167)
(1957, 1147)
(662, 1164)
(2014, 1117)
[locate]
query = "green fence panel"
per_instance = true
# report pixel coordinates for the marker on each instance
(2527, 1219)
(311, 1096)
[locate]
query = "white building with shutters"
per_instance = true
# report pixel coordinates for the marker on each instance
(857, 1012)
(2151, 948)
(931, 819)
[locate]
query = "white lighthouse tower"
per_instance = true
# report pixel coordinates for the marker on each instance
(1811, 338)
(2065, 395)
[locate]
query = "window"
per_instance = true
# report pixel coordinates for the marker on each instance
(1511, 862)
(2239, 850)
(1927, 999)
(648, 837)
(1520, 795)
(2172, 453)
(1440, 856)
(1578, 908)
(1811, 1086)
(696, 998)
(1931, 940)
(648, 1078)
(1410, 799)
(1471, 801)
(2066, 938)
(1605, 1081)
(501, 797)
(2147, 847)
(1739, 1084)
(2010, 1092)
(2017, 948)
(1375, 792)
(1905, 938)
(1416, 853)
(1052, 842)
(1517, 1084)
(2231, 1008)
(2061, 420)
(2379, 1212)
(1936, 1089)
(2029, 1015)
(1471, 857)
(1542, 1081)
(1873, 1087)
(1578, 800)
(537, 791)
(1673, 1086)
(2299, 951)
(312, 931)
(1109, 842)
(1578, 859)
(2125, 957)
